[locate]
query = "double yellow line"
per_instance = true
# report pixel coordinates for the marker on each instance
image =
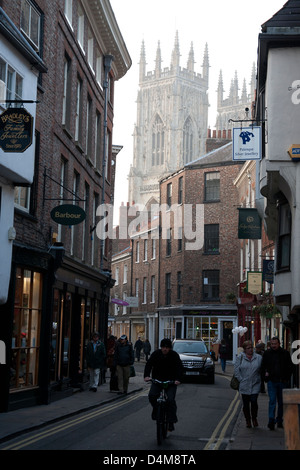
(74, 422)
(214, 443)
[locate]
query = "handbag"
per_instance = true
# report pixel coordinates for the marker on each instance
(132, 371)
(234, 382)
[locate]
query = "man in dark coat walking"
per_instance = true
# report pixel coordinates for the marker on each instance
(138, 347)
(123, 359)
(277, 368)
(95, 358)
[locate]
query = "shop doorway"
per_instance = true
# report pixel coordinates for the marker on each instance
(61, 336)
(227, 327)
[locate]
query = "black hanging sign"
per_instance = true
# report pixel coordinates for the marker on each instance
(15, 130)
(249, 224)
(68, 214)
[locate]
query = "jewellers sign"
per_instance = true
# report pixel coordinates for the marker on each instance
(68, 214)
(246, 143)
(16, 126)
(249, 224)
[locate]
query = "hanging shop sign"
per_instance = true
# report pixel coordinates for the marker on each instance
(68, 214)
(268, 270)
(254, 282)
(249, 224)
(294, 152)
(132, 301)
(119, 302)
(16, 126)
(246, 143)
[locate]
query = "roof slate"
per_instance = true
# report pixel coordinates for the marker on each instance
(287, 16)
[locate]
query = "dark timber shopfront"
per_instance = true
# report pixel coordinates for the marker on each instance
(48, 321)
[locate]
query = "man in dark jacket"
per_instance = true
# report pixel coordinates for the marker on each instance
(165, 364)
(277, 368)
(123, 359)
(95, 358)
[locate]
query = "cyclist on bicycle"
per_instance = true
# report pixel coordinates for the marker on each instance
(165, 364)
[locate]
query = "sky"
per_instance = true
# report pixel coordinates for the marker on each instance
(229, 27)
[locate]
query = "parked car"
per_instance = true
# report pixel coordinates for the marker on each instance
(196, 360)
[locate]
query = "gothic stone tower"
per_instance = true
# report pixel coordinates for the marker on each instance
(172, 118)
(233, 107)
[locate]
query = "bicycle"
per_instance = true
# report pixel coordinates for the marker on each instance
(161, 417)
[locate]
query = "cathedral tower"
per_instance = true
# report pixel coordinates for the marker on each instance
(172, 118)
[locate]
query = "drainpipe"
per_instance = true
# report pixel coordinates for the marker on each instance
(107, 67)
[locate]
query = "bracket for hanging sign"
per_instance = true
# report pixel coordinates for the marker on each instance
(20, 102)
(75, 198)
(253, 121)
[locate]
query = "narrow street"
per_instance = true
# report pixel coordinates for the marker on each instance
(206, 416)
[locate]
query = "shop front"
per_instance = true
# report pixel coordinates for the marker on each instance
(23, 319)
(209, 325)
(80, 306)
(48, 320)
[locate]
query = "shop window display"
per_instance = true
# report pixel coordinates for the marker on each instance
(26, 329)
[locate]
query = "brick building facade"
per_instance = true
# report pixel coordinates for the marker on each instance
(184, 282)
(60, 276)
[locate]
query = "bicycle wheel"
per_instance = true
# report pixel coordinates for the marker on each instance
(159, 425)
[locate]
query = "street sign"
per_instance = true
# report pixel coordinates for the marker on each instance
(294, 152)
(15, 130)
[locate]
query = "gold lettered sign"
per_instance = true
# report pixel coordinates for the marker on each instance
(254, 282)
(15, 130)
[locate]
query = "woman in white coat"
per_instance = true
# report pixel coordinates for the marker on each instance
(247, 371)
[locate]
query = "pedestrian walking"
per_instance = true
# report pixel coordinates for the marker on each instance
(111, 345)
(223, 354)
(95, 358)
(138, 347)
(247, 369)
(123, 359)
(277, 368)
(147, 349)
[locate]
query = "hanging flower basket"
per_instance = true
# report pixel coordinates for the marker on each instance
(266, 310)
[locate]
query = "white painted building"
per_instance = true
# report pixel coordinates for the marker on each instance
(278, 109)
(19, 70)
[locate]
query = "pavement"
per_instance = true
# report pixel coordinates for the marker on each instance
(16, 422)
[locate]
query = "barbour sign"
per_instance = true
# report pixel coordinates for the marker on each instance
(15, 130)
(68, 214)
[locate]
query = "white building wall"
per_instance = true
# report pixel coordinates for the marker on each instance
(283, 105)
(6, 236)
(15, 168)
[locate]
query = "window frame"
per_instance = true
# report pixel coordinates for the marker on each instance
(211, 239)
(284, 237)
(32, 9)
(212, 192)
(213, 279)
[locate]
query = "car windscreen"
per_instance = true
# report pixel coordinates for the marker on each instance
(193, 347)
